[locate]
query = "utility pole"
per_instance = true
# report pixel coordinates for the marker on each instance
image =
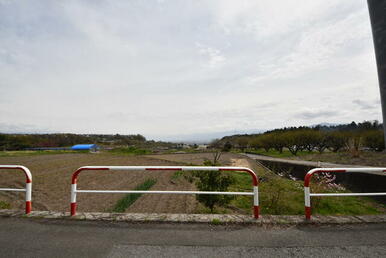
(377, 10)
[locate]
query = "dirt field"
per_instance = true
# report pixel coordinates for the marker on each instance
(226, 159)
(52, 180)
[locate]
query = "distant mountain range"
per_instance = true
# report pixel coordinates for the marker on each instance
(325, 124)
(201, 138)
(208, 137)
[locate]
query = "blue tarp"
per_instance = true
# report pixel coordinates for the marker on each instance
(84, 147)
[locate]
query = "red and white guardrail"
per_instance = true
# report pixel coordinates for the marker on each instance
(255, 182)
(307, 179)
(28, 185)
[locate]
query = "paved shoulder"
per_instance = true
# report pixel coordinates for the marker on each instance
(244, 251)
(63, 238)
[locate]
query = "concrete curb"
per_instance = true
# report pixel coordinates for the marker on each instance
(199, 218)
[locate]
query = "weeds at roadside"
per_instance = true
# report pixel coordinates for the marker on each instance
(216, 222)
(5, 205)
(282, 196)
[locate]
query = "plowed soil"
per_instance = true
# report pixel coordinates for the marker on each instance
(197, 158)
(226, 159)
(52, 181)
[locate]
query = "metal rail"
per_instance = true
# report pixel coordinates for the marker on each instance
(307, 180)
(163, 192)
(13, 190)
(346, 194)
(28, 185)
(255, 182)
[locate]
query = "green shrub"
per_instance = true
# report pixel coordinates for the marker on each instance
(374, 140)
(213, 181)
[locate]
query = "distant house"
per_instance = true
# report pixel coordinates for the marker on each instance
(202, 147)
(89, 147)
(182, 146)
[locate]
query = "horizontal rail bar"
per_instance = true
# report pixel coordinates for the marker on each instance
(185, 168)
(26, 171)
(28, 185)
(350, 170)
(12, 190)
(346, 194)
(162, 192)
(255, 182)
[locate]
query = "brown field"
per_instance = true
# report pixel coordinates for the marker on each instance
(226, 159)
(52, 180)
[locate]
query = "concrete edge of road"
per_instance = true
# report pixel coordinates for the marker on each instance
(198, 218)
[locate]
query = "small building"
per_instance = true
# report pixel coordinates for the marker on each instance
(89, 147)
(202, 147)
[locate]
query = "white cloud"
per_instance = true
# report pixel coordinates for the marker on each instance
(214, 57)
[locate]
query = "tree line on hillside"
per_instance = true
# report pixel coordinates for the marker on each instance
(351, 137)
(26, 141)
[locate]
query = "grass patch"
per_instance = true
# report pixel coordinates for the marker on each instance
(277, 195)
(216, 222)
(130, 151)
(282, 196)
(366, 158)
(178, 174)
(5, 205)
(37, 153)
(347, 205)
(130, 198)
(276, 154)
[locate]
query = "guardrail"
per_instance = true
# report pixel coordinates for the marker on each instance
(255, 182)
(28, 185)
(307, 179)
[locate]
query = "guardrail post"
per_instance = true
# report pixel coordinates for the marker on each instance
(28, 198)
(73, 199)
(307, 202)
(256, 201)
(28, 185)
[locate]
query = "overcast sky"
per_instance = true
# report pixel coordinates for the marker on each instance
(166, 69)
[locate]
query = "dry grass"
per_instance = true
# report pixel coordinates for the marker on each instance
(366, 158)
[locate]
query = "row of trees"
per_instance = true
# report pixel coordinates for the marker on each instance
(313, 140)
(24, 141)
(351, 137)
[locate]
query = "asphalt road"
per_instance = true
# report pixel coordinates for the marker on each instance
(21, 237)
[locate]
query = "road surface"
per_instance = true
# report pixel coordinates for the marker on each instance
(21, 237)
